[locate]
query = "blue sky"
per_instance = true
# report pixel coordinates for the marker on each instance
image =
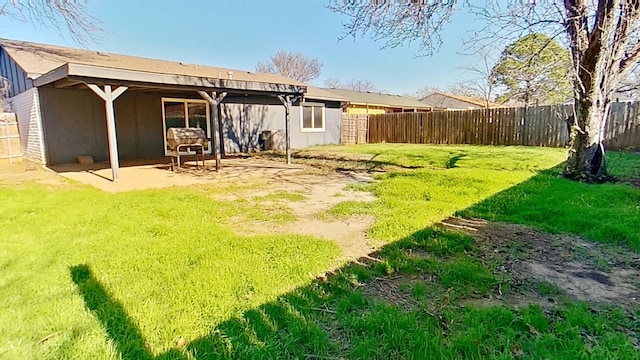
(239, 33)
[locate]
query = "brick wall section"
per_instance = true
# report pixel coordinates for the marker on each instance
(26, 106)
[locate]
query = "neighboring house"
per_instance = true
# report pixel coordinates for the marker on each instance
(71, 102)
(373, 103)
(442, 101)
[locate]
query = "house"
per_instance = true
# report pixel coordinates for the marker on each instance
(71, 102)
(443, 101)
(372, 103)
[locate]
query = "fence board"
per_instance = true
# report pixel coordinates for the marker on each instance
(10, 149)
(533, 126)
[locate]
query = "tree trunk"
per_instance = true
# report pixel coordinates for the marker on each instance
(586, 160)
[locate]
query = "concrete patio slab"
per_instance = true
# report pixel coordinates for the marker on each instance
(156, 173)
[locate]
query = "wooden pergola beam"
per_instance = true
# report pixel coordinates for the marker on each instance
(214, 100)
(109, 96)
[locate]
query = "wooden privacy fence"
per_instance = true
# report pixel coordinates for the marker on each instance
(535, 126)
(538, 126)
(354, 129)
(623, 128)
(9, 138)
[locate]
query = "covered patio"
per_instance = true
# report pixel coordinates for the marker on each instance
(110, 83)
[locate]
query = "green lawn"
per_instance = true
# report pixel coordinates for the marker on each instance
(161, 274)
(168, 258)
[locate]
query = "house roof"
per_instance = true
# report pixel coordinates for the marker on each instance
(40, 59)
(379, 99)
(467, 99)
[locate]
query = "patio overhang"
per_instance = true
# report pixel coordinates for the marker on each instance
(71, 74)
(109, 83)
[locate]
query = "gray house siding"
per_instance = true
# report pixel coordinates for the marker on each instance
(75, 124)
(244, 119)
(331, 135)
(18, 81)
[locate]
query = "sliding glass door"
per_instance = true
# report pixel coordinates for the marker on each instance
(186, 113)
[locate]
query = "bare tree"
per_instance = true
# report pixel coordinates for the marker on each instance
(463, 88)
(601, 35)
(427, 90)
(59, 14)
(482, 81)
(293, 65)
(353, 84)
(466, 88)
(630, 85)
(332, 83)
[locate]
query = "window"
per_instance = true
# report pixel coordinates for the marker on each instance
(185, 113)
(312, 118)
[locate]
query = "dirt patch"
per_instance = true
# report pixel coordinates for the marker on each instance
(633, 181)
(320, 194)
(544, 266)
(393, 290)
(26, 171)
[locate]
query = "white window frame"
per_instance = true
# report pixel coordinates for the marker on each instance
(314, 108)
(186, 116)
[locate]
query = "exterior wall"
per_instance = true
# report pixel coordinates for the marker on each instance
(18, 81)
(26, 106)
(352, 109)
(74, 124)
(244, 119)
(331, 134)
(362, 110)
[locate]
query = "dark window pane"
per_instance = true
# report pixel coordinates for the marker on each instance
(173, 116)
(198, 116)
(317, 118)
(306, 117)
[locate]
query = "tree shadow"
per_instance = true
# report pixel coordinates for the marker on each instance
(258, 332)
(243, 124)
(343, 163)
(114, 318)
(451, 163)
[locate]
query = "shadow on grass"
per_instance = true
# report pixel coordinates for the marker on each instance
(259, 332)
(346, 163)
(451, 163)
(336, 317)
(117, 324)
(605, 213)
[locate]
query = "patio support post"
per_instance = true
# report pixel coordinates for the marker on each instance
(215, 100)
(287, 101)
(109, 96)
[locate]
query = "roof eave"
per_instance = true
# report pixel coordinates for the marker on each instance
(105, 74)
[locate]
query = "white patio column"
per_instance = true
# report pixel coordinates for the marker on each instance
(109, 97)
(214, 100)
(287, 101)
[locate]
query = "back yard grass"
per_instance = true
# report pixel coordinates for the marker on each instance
(163, 274)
